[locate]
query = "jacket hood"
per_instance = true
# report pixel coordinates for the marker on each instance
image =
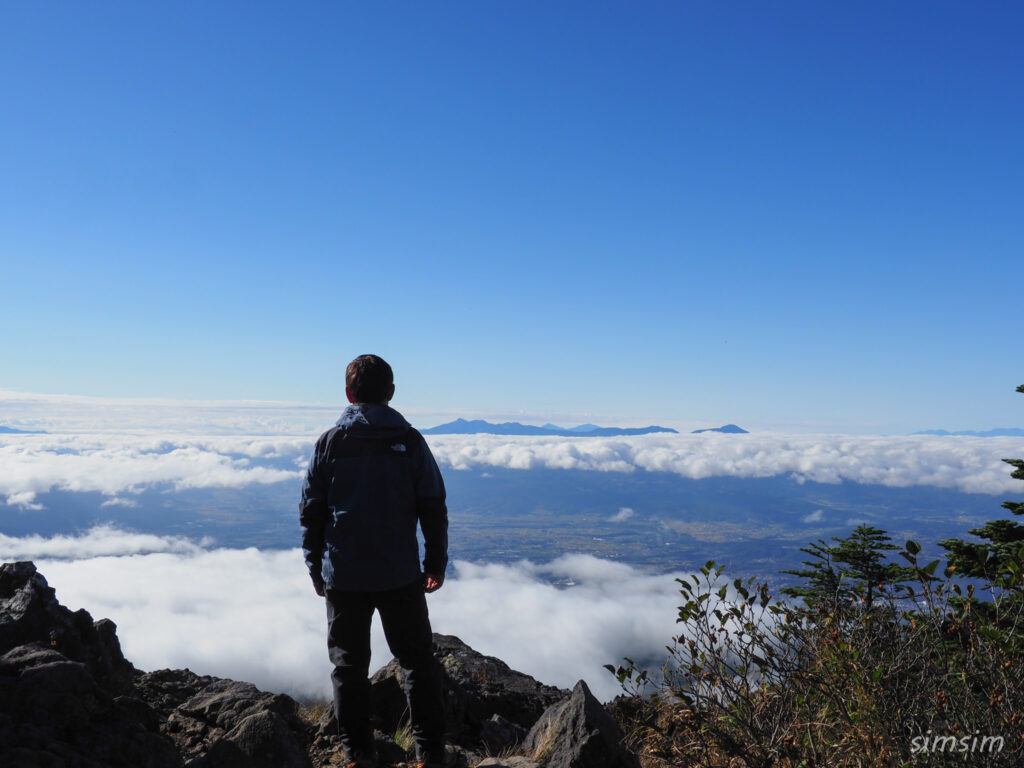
(370, 416)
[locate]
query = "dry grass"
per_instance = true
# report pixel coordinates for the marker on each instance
(403, 738)
(311, 712)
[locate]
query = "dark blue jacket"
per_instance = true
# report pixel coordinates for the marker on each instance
(370, 480)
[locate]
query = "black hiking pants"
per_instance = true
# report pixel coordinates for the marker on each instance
(403, 615)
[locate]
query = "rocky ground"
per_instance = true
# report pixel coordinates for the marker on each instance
(69, 699)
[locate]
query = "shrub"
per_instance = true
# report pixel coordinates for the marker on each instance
(877, 663)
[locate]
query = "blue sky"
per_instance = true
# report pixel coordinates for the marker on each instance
(797, 215)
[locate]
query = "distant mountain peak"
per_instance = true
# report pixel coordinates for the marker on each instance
(729, 429)
(12, 431)
(479, 427)
(584, 428)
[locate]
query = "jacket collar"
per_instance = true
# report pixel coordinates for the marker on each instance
(363, 415)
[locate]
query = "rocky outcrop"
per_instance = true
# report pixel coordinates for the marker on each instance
(487, 704)
(512, 761)
(263, 739)
(226, 723)
(65, 688)
(579, 733)
(30, 613)
(69, 699)
(499, 734)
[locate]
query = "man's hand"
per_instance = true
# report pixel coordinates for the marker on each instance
(432, 582)
(318, 586)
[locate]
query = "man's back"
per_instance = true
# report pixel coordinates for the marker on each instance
(370, 479)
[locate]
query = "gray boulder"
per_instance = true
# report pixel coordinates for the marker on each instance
(513, 761)
(68, 697)
(30, 613)
(215, 721)
(226, 718)
(260, 740)
(167, 689)
(63, 682)
(498, 734)
(476, 687)
(579, 733)
(53, 712)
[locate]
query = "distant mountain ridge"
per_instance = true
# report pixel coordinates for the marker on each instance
(1000, 432)
(478, 427)
(729, 429)
(12, 431)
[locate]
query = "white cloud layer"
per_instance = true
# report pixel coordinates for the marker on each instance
(81, 414)
(121, 464)
(252, 615)
(71, 414)
(99, 541)
(968, 464)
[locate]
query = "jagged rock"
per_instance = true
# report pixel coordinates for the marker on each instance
(475, 686)
(167, 689)
(499, 733)
(200, 712)
(218, 710)
(69, 698)
(579, 733)
(140, 711)
(30, 655)
(260, 740)
(326, 747)
(55, 713)
(58, 675)
(513, 761)
(30, 613)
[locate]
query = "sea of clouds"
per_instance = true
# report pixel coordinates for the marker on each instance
(119, 465)
(127, 464)
(252, 614)
(80, 414)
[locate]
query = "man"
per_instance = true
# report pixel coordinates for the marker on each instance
(371, 478)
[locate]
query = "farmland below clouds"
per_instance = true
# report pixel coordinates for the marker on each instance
(658, 501)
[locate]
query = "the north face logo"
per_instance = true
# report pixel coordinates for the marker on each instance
(400, 447)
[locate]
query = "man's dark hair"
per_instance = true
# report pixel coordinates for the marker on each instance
(369, 379)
